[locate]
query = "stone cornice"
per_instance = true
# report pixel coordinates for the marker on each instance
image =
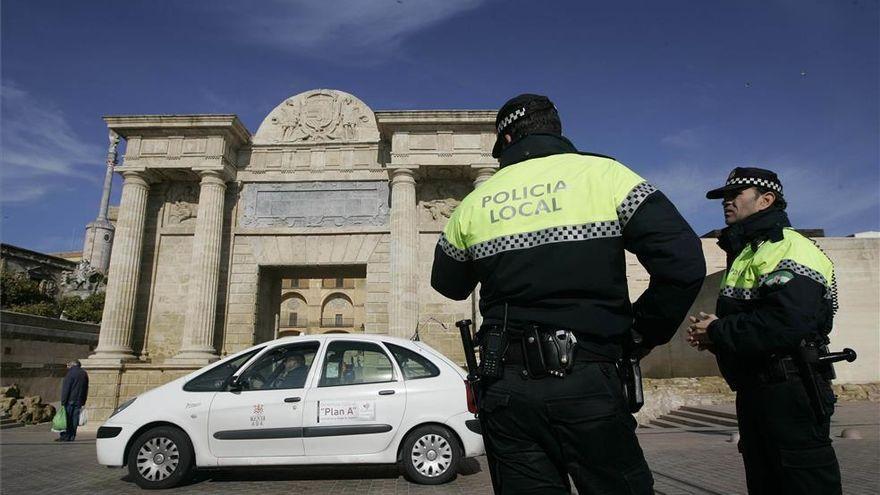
(434, 117)
(164, 125)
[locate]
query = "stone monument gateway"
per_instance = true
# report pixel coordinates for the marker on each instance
(324, 220)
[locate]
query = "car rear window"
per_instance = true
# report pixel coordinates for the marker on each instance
(413, 364)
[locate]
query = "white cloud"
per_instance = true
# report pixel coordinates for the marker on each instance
(344, 27)
(37, 144)
(688, 139)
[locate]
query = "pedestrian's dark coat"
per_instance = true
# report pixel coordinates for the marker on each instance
(75, 388)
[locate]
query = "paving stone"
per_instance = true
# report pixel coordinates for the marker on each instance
(683, 462)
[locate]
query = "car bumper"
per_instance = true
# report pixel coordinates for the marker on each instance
(111, 442)
(472, 442)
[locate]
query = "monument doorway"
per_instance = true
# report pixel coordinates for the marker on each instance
(308, 300)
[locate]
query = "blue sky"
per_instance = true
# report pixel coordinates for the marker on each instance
(680, 91)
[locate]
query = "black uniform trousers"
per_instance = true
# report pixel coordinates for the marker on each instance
(537, 432)
(785, 449)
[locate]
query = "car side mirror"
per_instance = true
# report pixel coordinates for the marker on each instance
(235, 385)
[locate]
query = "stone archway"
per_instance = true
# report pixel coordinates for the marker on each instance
(337, 312)
(293, 313)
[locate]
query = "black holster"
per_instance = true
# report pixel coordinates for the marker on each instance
(630, 371)
(548, 352)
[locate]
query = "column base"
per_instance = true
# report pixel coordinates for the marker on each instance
(194, 358)
(103, 358)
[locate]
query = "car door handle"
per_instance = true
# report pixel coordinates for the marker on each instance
(386, 392)
(292, 399)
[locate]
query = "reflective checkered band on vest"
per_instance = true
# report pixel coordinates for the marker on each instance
(452, 251)
(830, 289)
(833, 293)
(801, 270)
(633, 200)
(774, 186)
(546, 236)
(738, 293)
(511, 118)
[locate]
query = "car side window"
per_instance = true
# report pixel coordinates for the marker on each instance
(412, 364)
(216, 378)
(355, 363)
(283, 367)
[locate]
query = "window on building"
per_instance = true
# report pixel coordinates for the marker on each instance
(291, 319)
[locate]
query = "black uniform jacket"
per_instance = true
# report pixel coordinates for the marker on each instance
(772, 319)
(577, 280)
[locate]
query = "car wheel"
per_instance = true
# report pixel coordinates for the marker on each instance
(160, 458)
(430, 455)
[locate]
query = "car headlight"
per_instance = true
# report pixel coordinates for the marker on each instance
(122, 406)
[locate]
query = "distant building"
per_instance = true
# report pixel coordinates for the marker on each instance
(44, 268)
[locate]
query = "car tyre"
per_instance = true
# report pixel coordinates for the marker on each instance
(430, 455)
(160, 458)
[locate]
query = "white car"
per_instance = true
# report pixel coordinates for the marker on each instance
(316, 399)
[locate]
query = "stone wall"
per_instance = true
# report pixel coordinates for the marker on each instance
(109, 387)
(857, 324)
(665, 395)
(36, 350)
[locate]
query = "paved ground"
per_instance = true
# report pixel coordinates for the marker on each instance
(684, 462)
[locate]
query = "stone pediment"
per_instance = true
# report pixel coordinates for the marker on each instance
(321, 116)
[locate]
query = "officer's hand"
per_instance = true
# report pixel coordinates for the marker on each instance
(698, 335)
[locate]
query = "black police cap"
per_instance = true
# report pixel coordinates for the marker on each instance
(743, 177)
(517, 108)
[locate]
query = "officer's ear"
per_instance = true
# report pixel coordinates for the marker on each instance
(508, 138)
(765, 200)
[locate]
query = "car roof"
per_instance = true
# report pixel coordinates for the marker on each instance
(373, 337)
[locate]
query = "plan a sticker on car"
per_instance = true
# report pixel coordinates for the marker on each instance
(362, 410)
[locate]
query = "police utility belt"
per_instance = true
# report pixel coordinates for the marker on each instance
(542, 351)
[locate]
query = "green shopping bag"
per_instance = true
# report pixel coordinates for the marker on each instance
(59, 422)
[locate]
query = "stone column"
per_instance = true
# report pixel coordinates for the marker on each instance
(114, 341)
(201, 315)
(483, 173)
(403, 308)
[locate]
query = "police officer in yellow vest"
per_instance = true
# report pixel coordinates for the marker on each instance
(545, 237)
(777, 296)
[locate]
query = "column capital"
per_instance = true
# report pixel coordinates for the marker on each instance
(402, 174)
(217, 177)
(483, 171)
(136, 178)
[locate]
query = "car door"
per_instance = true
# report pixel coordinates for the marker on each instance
(357, 402)
(261, 414)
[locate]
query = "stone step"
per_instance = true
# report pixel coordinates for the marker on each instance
(659, 423)
(704, 419)
(679, 422)
(7, 423)
(708, 412)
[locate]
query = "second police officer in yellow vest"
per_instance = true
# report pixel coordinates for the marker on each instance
(545, 237)
(777, 298)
